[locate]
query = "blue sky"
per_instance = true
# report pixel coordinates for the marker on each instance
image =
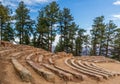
(83, 11)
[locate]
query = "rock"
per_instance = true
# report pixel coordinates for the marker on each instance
(24, 74)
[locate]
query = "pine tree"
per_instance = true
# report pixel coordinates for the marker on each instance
(67, 30)
(8, 34)
(116, 49)
(110, 36)
(23, 24)
(60, 46)
(67, 22)
(71, 33)
(4, 18)
(98, 35)
(86, 44)
(79, 42)
(42, 30)
(52, 18)
(34, 39)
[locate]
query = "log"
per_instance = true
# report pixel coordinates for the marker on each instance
(24, 74)
(64, 75)
(46, 74)
(40, 58)
(77, 75)
(82, 71)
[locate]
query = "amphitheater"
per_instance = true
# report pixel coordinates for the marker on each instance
(22, 64)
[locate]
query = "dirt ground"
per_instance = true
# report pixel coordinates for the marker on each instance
(8, 74)
(108, 66)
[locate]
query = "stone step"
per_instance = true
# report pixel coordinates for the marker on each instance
(62, 74)
(77, 75)
(51, 61)
(6, 52)
(45, 74)
(24, 74)
(40, 58)
(100, 78)
(97, 69)
(87, 69)
(112, 72)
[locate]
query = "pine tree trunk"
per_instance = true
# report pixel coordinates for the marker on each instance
(61, 39)
(21, 34)
(42, 44)
(76, 49)
(20, 37)
(107, 49)
(94, 49)
(38, 41)
(1, 29)
(100, 49)
(48, 43)
(51, 38)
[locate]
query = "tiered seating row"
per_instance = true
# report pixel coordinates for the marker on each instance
(39, 57)
(98, 69)
(76, 74)
(62, 74)
(79, 70)
(24, 74)
(86, 72)
(96, 59)
(87, 69)
(95, 70)
(6, 52)
(51, 61)
(47, 75)
(115, 73)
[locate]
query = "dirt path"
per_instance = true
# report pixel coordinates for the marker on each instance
(110, 66)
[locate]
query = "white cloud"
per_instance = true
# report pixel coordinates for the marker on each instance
(9, 2)
(33, 2)
(33, 10)
(116, 2)
(14, 3)
(116, 17)
(56, 40)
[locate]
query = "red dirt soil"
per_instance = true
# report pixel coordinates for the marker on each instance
(9, 75)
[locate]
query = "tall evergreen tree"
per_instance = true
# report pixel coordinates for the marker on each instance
(8, 34)
(67, 31)
(42, 30)
(110, 33)
(34, 39)
(52, 18)
(67, 22)
(4, 18)
(23, 24)
(98, 35)
(71, 36)
(67, 42)
(79, 42)
(116, 49)
(86, 44)
(60, 46)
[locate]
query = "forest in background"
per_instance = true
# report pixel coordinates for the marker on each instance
(103, 40)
